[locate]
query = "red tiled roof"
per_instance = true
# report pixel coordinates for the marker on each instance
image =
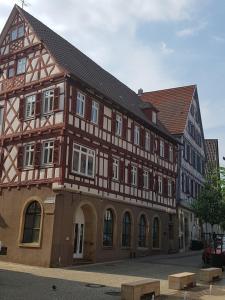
(173, 105)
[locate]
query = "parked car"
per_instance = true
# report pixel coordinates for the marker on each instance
(215, 247)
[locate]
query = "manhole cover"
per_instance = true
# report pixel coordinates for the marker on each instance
(95, 286)
(113, 293)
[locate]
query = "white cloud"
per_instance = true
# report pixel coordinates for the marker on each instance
(191, 30)
(165, 49)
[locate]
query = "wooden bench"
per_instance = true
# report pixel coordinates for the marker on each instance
(210, 274)
(181, 280)
(141, 289)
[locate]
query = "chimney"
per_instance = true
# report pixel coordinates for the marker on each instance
(140, 92)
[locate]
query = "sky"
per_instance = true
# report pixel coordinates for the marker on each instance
(148, 44)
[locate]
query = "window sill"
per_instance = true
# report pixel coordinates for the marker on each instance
(116, 180)
(107, 247)
(82, 175)
(30, 245)
(47, 114)
(156, 248)
(46, 166)
(29, 118)
(126, 248)
(27, 168)
(142, 248)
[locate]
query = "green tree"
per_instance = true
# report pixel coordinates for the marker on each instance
(209, 207)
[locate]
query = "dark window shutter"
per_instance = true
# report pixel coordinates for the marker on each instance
(140, 178)
(88, 107)
(143, 137)
(174, 155)
(165, 187)
(101, 115)
(152, 143)
(156, 184)
(132, 133)
(122, 171)
(110, 168)
(173, 189)
(38, 104)
(56, 98)
(20, 157)
(73, 99)
(124, 128)
(151, 181)
(37, 157)
(1, 162)
(22, 108)
(113, 122)
(166, 151)
(56, 153)
(129, 174)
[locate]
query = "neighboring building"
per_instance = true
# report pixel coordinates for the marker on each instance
(87, 169)
(212, 155)
(179, 111)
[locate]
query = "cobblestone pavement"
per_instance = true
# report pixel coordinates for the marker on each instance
(101, 281)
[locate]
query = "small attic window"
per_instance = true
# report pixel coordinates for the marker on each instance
(154, 117)
(17, 32)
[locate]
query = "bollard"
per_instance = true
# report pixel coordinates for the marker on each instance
(210, 289)
(185, 295)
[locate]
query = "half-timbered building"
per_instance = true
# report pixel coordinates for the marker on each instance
(179, 110)
(87, 169)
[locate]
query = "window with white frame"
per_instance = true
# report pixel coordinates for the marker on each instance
(160, 184)
(169, 188)
(136, 135)
(115, 169)
(21, 66)
(80, 104)
(133, 175)
(47, 152)
(17, 32)
(48, 101)
(170, 153)
(162, 148)
(145, 179)
(147, 141)
(28, 155)
(94, 112)
(30, 106)
(83, 160)
(154, 117)
(118, 125)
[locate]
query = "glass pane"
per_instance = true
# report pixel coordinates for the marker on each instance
(14, 34)
(83, 164)
(50, 155)
(27, 236)
(76, 161)
(20, 31)
(37, 221)
(90, 166)
(35, 237)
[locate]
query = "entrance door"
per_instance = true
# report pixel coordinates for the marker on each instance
(78, 235)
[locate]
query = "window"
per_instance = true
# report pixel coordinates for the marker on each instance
(161, 148)
(118, 125)
(160, 184)
(21, 66)
(115, 169)
(126, 230)
(48, 101)
(11, 72)
(108, 229)
(80, 104)
(155, 236)
(30, 107)
(48, 148)
(154, 117)
(133, 175)
(17, 32)
(136, 135)
(170, 153)
(29, 155)
(147, 141)
(32, 223)
(83, 161)
(142, 232)
(145, 179)
(169, 188)
(94, 112)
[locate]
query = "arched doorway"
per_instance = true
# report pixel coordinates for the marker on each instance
(79, 228)
(85, 224)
